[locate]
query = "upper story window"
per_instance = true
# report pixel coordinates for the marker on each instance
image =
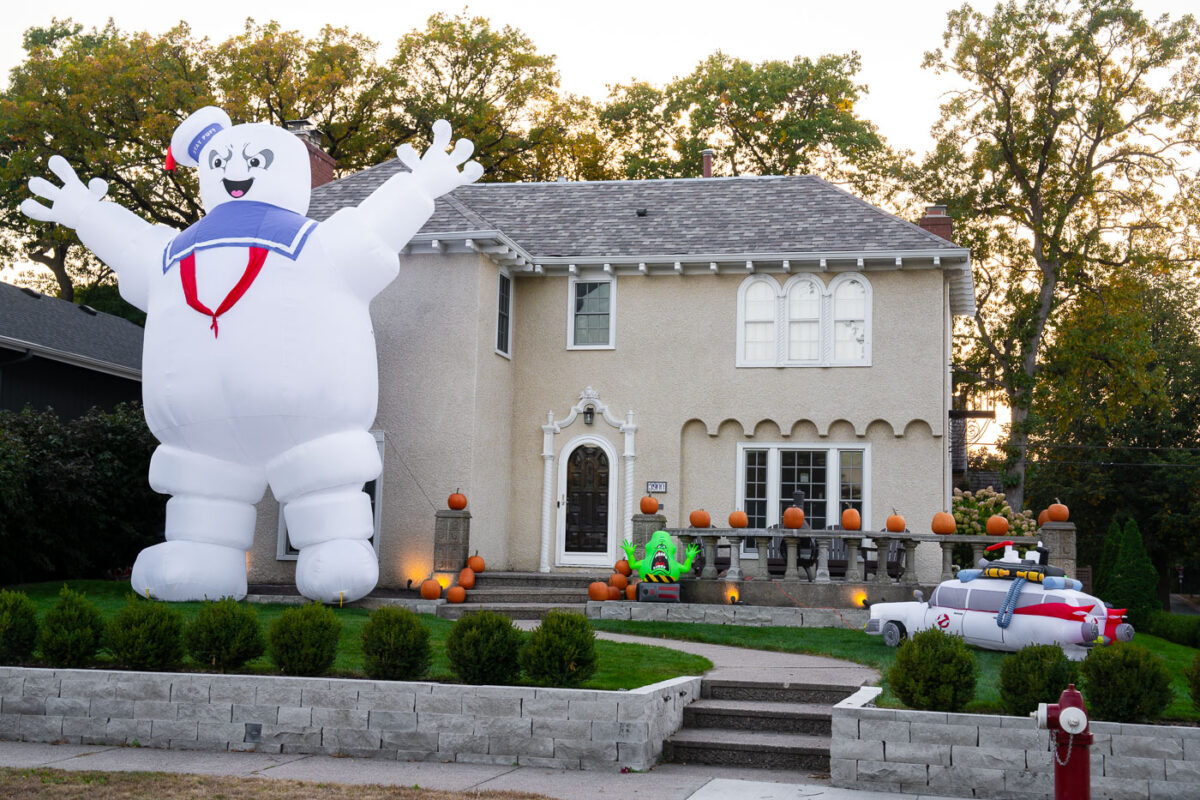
(504, 315)
(592, 312)
(804, 322)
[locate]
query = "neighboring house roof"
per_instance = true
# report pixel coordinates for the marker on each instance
(698, 219)
(62, 331)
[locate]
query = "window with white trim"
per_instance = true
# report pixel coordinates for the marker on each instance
(503, 315)
(804, 323)
(374, 489)
(591, 314)
(832, 477)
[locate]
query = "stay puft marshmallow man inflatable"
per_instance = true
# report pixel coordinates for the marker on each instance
(259, 359)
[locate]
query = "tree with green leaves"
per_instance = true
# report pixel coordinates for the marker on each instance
(1064, 161)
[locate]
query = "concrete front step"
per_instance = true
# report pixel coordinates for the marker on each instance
(825, 694)
(551, 596)
(810, 719)
(539, 580)
(510, 610)
(739, 748)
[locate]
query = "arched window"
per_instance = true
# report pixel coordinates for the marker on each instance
(758, 323)
(804, 321)
(850, 321)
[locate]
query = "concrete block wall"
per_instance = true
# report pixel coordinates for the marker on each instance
(563, 728)
(789, 616)
(979, 755)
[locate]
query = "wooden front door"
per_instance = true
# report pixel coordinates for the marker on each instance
(587, 500)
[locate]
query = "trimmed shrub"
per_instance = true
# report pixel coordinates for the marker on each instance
(71, 630)
(561, 651)
(484, 648)
(1125, 683)
(225, 635)
(18, 627)
(1035, 674)
(934, 672)
(395, 645)
(146, 634)
(1192, 674)
(1133, 580)
(304, 640)
(1181, 629)
(1109, 552)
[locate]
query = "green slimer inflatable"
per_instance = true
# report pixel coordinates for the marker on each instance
(659, 560)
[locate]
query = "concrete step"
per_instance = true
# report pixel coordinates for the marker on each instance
(517, 594)
(810, 719)
(539, 580)
(720, 689)
(510, 610)
(739, 748)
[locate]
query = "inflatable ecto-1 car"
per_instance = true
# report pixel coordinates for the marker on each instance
(1008, 604)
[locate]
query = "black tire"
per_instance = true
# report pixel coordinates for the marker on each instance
(893, 633)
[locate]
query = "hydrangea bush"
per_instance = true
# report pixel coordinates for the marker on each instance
(972, 509)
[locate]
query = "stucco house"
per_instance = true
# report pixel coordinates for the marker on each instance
(557, 350)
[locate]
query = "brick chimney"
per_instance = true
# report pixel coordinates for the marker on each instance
(707, 155)
(938, 222)
(320, 163)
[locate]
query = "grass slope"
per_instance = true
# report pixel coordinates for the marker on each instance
(857, 646)
(621, 666)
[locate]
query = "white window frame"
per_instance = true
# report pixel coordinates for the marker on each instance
(832, 478)
(283, 549)
(782, 326)
(612, 310)
(500, 278)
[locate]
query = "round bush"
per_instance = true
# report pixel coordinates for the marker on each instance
(18, 627)
(146, 634)
(1036, 674)
(561, 651)
(225, 635)
(934, 672)
(71, 631)
(304, 640)
(395, 645)
(483, 648)
(1125, 683)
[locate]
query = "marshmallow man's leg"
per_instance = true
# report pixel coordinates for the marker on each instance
(210, 526)
(328, 515)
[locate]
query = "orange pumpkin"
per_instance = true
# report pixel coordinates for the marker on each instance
(476, 562)
(649, 505)
(1044, 517)
(631, 592)
(466, 578)
(738, 519)
(943, 523)
(1058, 512)
(895, 522)
(700, 518)
(622, 567)
(597, 590)
(793, 517)
(997, 525)
(614, 593)
(431, 589)
(457, 501)
(618, 580)
(851, 519)
(456, 594)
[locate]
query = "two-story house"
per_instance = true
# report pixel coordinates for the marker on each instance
(552, 348)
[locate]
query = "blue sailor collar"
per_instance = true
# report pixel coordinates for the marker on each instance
(244, 223)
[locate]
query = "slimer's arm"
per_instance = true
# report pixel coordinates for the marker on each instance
(692, 551)
(630, 556)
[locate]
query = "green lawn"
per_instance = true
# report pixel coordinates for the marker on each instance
(857, 646)
(621, 666)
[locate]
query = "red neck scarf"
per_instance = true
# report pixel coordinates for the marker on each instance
(187, 274)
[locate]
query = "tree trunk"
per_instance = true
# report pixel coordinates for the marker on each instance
(54, 258)
(1014, 471)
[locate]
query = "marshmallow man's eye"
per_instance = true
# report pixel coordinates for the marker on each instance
(218, 161)
(262, 159)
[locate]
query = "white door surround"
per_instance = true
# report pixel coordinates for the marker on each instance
(553, 512)
(563, 558)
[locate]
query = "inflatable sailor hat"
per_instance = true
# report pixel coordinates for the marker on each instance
(193, 133)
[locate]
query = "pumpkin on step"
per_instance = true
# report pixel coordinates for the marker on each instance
(476, 562)
(466, 578)
(456, 594)
(618, 580)
(597, 590)
(614, 593)
(431, 589)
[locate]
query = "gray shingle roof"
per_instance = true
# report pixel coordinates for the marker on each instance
(793, 214)
(48, 325)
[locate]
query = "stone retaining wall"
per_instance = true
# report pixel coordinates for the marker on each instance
(562, 728)
(790, 616)
(977, 755)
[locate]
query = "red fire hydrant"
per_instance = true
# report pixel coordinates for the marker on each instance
(1070, 740)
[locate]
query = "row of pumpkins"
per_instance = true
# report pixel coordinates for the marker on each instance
(620, 584)
(793, 519)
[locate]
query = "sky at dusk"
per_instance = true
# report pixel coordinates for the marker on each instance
(597, 44)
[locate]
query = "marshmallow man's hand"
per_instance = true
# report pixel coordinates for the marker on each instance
(69, 203)
(438, 171)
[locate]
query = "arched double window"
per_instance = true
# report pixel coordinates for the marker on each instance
(804, 322)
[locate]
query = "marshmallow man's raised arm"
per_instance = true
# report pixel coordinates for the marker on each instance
(393, 213)
(121, 239)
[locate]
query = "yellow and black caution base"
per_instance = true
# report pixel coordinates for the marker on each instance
(651, 590)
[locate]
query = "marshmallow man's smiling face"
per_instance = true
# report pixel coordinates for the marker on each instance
(256, 162)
